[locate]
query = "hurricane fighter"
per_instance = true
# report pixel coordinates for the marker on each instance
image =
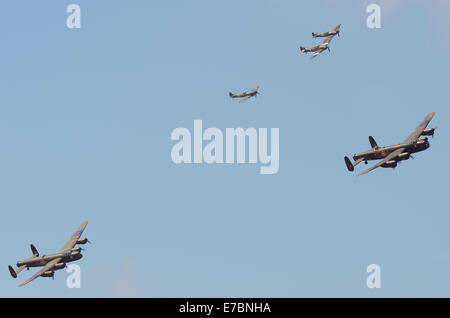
(245, 95)
(335, 31)
(53, 262)
(392, 155)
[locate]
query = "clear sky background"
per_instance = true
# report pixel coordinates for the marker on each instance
(85, 123)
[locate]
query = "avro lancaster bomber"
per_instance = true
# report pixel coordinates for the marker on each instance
(52, 262)
(391, 155)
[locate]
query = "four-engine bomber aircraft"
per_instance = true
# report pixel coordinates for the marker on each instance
(245, 95)
(391, 155)
(325, 45)
(53, 262)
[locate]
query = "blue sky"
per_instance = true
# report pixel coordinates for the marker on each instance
(85, 123)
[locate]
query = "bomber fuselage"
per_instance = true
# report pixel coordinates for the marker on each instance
(382, 152)
(44, 259)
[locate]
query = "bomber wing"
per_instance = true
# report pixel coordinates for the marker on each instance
(47, 267)
(74, 238)
(391, 156)
(419, 129)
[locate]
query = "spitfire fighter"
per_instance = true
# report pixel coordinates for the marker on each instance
(245, 95)
(53, 262)
(324, 46)
(335, 31)
(391, 155)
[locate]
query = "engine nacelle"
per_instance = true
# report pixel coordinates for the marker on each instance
(82, 241)
(404, 156)
(59, 266)
(390, 164)
(76, 250)
(48, 274)
(428, 132)
(75, 256)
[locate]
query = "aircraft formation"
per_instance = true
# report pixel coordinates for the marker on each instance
(317, 49)
(390, 156)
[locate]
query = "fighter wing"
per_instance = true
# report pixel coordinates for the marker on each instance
(244, 99)
(419, 129)
(47, 267)
(328, 39)
(316, 53)
(391, 156)
(337, 27)
(74, 238)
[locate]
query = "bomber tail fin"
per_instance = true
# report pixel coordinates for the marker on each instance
(373, 143)
(349, 164)
(11, 270)
(34, 250)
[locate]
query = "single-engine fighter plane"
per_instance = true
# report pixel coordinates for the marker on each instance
(391, 155)
(53, 262)
(318, 48)
(335, 31)
(245, 95)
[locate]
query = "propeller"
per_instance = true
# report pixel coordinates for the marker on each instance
(434, 130)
